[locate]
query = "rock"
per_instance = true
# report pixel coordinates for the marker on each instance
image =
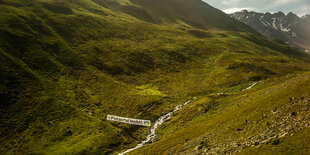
(97, 103)
(68, 133)
(276, 142)
(198, 148)
(293, 114)
(264, 116)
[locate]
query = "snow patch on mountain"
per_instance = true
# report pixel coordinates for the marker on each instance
(287, 29)
(264, 22)
(274, 23)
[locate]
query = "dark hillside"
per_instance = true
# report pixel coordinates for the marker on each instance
(192, 12)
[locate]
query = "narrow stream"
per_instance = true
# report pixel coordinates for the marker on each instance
(251, 86)
(150, 137)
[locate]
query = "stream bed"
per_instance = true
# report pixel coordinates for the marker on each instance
(150, 137)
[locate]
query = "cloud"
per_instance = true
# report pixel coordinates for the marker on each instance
(299, 7)
(232, 10)
(284, 2)
(281, 3)
(229, 2)
(301, 11)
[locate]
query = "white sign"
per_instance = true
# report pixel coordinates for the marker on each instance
(129, 120)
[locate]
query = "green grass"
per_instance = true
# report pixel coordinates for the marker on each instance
(65, 66)
(229, 114)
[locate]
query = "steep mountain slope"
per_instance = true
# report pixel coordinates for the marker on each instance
(288, 28)
(194, 13)
(65, 65)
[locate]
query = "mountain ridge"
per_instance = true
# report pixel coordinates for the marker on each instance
(289, 28)
(192, 13)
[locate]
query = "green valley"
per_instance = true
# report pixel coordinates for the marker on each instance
(66, 64)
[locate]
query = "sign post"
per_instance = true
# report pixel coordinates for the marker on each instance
(129, 120)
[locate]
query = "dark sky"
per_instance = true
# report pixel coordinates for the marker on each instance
(299, 7)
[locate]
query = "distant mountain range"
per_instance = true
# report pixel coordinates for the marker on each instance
(289, 28)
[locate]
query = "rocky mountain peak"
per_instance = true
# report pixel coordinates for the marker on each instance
(268, 13)
(280, 14)
(245, 11)
(292, 16)
(288, 28)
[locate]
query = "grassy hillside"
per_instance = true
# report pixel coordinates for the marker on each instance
(65, 65)
(270, 118)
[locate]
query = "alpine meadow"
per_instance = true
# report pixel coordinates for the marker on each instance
(217, 85)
